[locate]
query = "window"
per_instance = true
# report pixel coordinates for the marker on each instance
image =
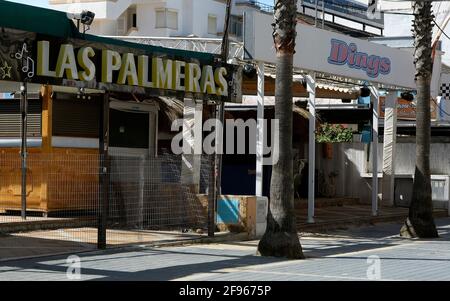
(166, 18)
(236, 26)
(134, 20)
(128, 129)
(212, 24)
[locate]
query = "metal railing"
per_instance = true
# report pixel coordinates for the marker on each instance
(262, 6)
(209, 45)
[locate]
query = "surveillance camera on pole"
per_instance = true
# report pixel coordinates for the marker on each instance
(85, 17)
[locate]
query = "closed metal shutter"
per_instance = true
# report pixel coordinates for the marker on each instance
(73, 117)
(10, 118)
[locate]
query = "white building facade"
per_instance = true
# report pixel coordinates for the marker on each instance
(159, 18)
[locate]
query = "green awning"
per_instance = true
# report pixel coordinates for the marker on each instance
(55, 23)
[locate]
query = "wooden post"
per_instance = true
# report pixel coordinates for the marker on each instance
(47, 124)
(104, 171)
(47, 116)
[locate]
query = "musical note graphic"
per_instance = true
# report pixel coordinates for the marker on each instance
(27, 61)
(19, 54)
(26, 68)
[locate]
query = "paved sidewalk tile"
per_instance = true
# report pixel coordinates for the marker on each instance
(369, 253)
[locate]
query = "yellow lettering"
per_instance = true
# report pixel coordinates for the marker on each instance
(43, 53)
(162, 73)
(177, 75)
(193, 74)
(143, 72)
(207, 82)
(111, 61)
(66, 62)
(221, 81)
(128, 70)
(83, 57)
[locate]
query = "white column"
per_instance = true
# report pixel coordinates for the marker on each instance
(390, 133)
(192, 142)
(260, 130)
(374, 97)
(311, 88)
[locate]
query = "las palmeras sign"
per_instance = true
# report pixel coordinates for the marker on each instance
(91, 64)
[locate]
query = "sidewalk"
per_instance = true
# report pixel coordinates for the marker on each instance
(76, 240)
(337, 255)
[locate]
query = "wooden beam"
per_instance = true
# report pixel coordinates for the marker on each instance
(47, 116)
(46, 147)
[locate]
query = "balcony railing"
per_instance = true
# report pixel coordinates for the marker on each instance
(214, 46)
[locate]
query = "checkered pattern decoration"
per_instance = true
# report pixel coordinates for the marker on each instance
(445, 91)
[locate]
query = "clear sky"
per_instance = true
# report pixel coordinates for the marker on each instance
(42, 3)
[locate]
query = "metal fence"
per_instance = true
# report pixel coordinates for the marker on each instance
(147, 196)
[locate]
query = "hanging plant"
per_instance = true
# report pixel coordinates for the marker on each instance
(329, 133)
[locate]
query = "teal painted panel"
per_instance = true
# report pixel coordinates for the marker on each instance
(228, 211)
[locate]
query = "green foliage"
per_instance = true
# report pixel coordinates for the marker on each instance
(333, 133)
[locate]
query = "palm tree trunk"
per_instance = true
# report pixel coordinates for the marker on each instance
(281, 238)
(420, 222)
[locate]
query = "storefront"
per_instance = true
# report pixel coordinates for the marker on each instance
(88, 97)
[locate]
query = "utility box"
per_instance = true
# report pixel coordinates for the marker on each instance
(257, 217)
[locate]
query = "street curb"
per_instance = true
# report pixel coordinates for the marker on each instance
(358, 222)
(202, 240)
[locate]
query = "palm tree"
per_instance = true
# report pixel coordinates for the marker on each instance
(281, 238)
(420, 222)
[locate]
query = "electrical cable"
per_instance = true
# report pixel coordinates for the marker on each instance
(440, 109)
(435, 23)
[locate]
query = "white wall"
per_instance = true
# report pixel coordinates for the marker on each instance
(192, 16)
(350, 163)
(201, 11)
(104, 27)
